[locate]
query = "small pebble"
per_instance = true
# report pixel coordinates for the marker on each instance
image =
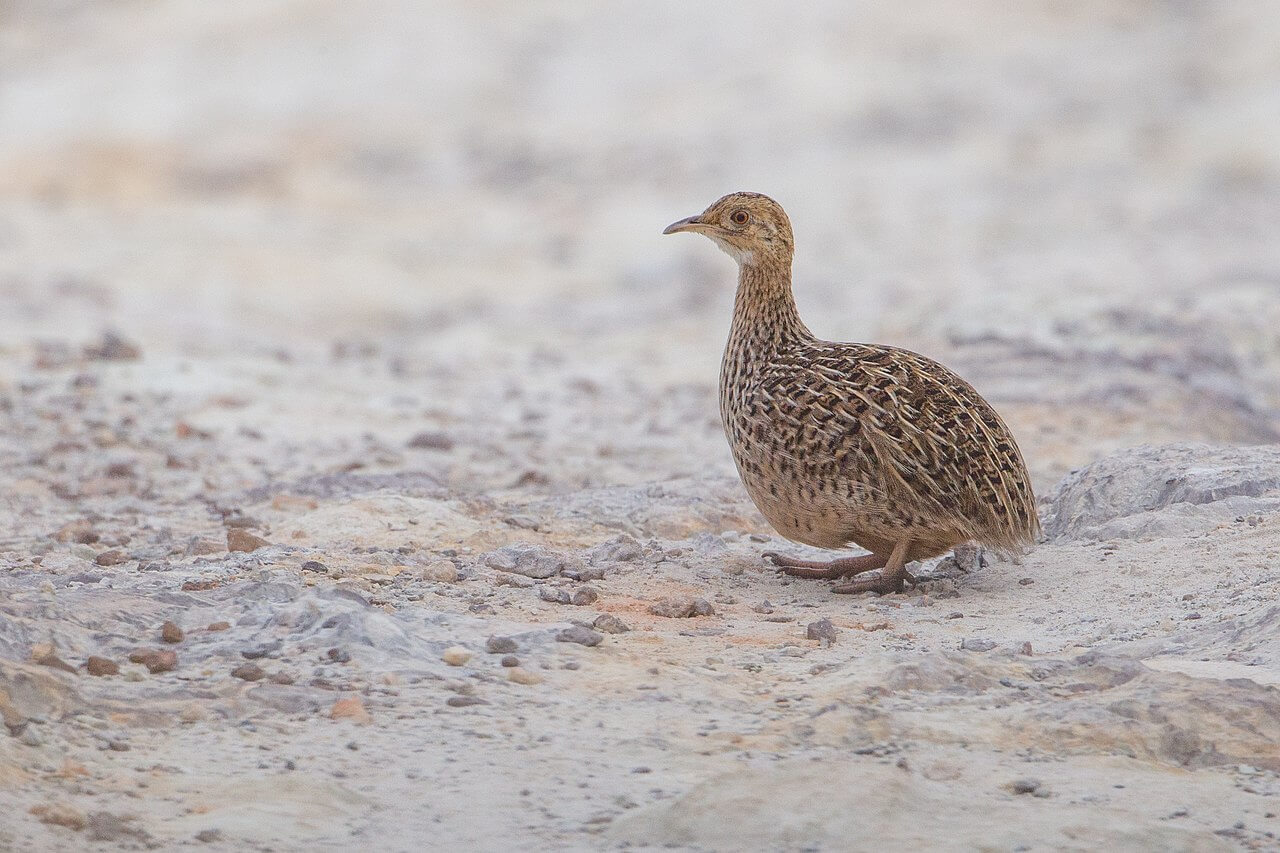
(431, 441)
(171, 633)
(555, 596)
(350, 708)
(533, 561)
(101, 666)
(248, 672)
(155, 660)
(822, 630)
(218, 626)
(464, 701)
(497, 645)
(523, 676)
(315, 566)
(610, 624)
(456, 655)
(584, 573)
(580, 635)
(113, 557)
(681, 608)
(978, 645)
(510, 660)
(584, 596)
(239, 539)
(1024, 786)
(439, 571)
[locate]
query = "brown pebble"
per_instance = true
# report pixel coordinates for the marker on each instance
(350, 708)
(456, 655)
(171, 633)
(155, 660)
(248, 672)
(114, 557)
(510, 660)
(239, 539)
(523, 676)
(218, 626)
(101, 666)
(1025, 649)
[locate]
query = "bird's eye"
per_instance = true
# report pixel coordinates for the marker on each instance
(739, 217)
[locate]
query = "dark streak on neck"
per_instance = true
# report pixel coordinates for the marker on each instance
(764, 310)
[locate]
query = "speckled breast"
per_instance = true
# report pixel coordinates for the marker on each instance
(800, 494)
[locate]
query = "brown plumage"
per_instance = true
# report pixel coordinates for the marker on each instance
(841, 443)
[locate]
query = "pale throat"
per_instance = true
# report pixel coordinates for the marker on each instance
(764, 306)
(744, 257)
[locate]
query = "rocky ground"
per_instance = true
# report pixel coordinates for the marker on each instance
(361, 481)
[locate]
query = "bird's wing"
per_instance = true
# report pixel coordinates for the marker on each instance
(926, 440)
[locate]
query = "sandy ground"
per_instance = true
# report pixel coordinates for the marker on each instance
(375, 297)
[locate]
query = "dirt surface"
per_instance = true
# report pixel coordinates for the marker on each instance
(342, 338)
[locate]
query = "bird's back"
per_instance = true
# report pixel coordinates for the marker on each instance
(841, 442)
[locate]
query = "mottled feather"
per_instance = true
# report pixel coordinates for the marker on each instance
(842, 443)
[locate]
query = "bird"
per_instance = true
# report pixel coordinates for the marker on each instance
(843, 444)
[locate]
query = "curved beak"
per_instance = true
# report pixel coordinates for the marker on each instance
(689, 223)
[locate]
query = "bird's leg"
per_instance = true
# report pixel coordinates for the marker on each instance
(889, 580)
(829, 570)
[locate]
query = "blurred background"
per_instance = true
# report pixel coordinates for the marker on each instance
(1072, 203)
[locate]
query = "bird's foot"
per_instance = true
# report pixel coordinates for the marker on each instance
(829, 570)
(883, 583)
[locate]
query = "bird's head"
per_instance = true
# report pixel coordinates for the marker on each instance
(752, 228)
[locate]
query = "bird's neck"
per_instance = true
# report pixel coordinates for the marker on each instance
(764, 311)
